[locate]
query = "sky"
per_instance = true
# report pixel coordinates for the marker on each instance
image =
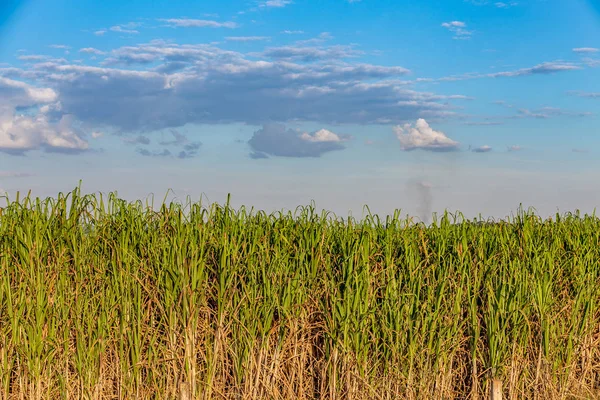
(474, 106)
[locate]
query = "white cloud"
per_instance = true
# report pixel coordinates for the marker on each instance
(97, 135)
(33, 57)
(60, 46)
(586, 50)
(21, 133)
(482, 149)
(17, 93)
(422, 136)
(100, 32)
(275, 3)
(189, 84)
(589, 95)
(591, 62)
(549, 112)
(120, 29)
(197, 23)
(246, 38)
(544, 68)
(276, 140)
(288, 32)
(322, 135)
(308, 53)
(91, 50)
(502, 4)
(458, 28)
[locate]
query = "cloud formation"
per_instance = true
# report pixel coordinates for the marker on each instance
(459, 29)
(148, 153)
(540, 69)
(91, 50)
(196, 23)
(137, 140)
(20, 133)
(275, 3)
(589, 95)
(585, 50)
(309, 54)
(502, 4)
(246, 38)
(120, 29)
(189, 150)
(276, 140)
(204, 84)
(422, 136)
(482, 149)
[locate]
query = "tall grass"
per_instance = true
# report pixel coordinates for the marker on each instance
(101, 298)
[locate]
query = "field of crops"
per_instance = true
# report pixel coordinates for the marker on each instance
(101, 298)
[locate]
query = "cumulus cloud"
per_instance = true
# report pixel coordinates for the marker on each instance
(196, 23)
(585, 50)
(47, 129)
(422, 136)
(276, 140)
(482, 149)
(459, 29)
(21, 133)
(321, 136)
(204, 84)
(19, 94)
(211, 85)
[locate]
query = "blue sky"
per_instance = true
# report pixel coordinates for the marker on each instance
(474, 105)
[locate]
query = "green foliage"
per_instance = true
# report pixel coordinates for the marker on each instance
(104, 298)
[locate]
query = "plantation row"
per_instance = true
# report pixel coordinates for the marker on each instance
(101, 298)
